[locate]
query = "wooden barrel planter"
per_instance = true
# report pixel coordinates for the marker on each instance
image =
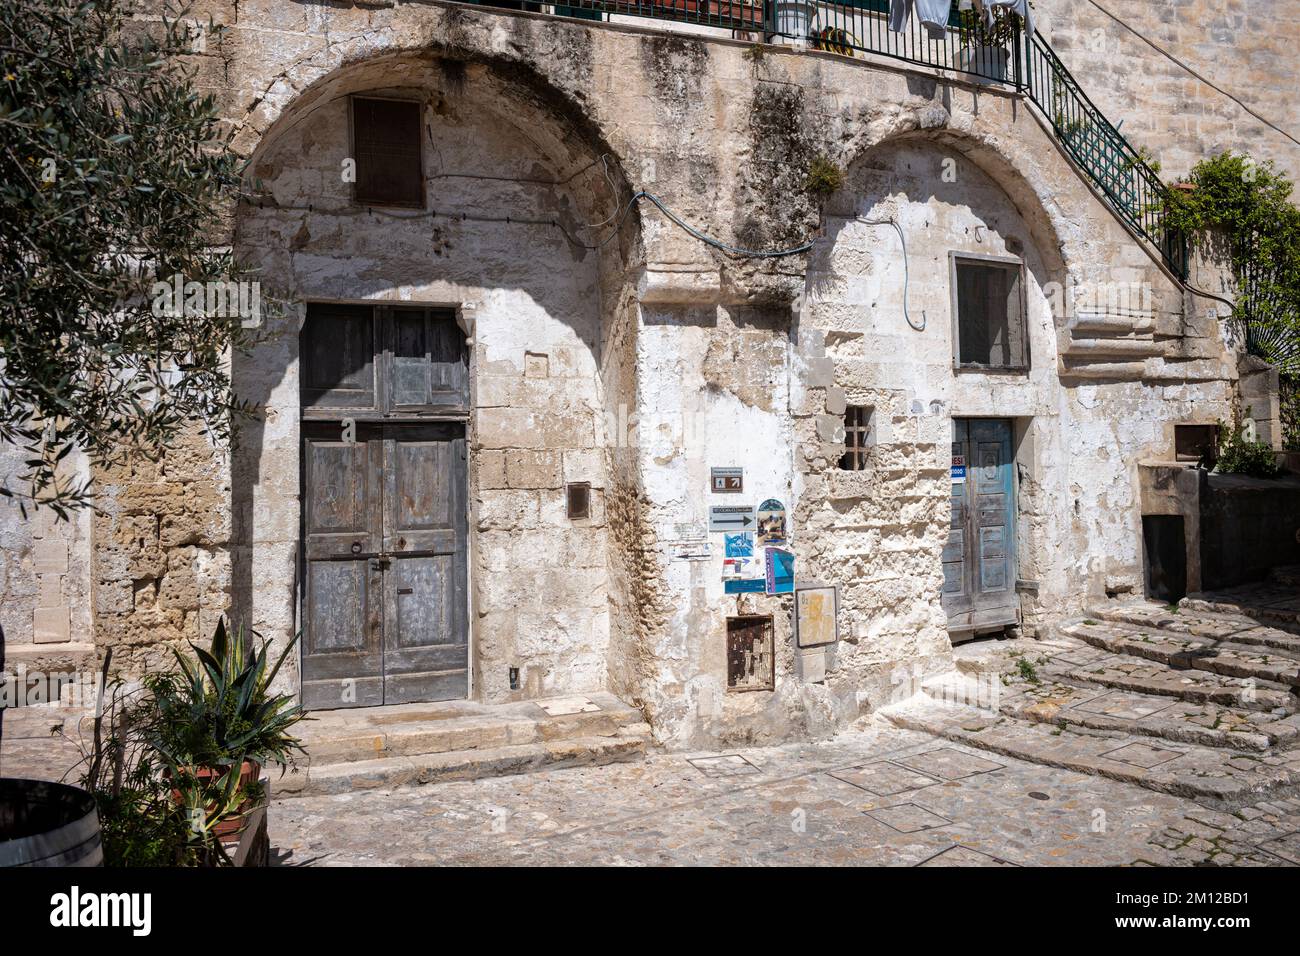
(48, 824)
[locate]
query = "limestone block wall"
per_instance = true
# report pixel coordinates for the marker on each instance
(637, 364)
(160, 566)
(1245, 49)
(497, 251)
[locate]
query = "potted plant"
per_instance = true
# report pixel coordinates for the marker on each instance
(217, 723)
(984, 50)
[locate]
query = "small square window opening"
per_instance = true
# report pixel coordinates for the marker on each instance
(857, 438)
(578, 500)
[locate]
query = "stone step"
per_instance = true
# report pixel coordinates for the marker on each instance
(1197, 687)
(396, 771)
(1225, 778)
(417, 743)
(1238, 628)
(1272, 604)
(1069, 706)
(1187, 651)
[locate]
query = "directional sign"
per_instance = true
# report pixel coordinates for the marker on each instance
(732, 518)
(727, 480)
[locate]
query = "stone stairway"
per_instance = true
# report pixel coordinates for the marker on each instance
(379, 747)
(1199, 700)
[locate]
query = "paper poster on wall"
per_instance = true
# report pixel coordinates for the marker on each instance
(689, 550)
(734, 568)
(772, 530)
(744, 586)
(739, 545)
(779, 578)
(815, 615)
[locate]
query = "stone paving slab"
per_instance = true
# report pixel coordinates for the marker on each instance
(1156, 679)
(1185, 651)
(1221, 777)
(798, 809)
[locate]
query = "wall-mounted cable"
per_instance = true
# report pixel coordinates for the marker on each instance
(907, 279)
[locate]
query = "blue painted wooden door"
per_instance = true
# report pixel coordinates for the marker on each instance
(979, 559)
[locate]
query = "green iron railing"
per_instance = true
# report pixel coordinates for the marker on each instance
(1005, 55)
(1134, 190)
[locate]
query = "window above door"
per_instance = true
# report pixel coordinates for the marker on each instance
(988, 304)
(386, 146)
(382, 362)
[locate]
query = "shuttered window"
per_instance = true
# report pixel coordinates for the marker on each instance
(990, 311)
(386, 145)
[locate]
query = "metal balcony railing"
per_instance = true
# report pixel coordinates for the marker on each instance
(1005, 55)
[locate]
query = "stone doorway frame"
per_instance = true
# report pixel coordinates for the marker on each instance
(465, 313)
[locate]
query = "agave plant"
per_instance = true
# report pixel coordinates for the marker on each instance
(217, 712)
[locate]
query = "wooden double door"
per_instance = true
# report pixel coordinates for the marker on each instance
(979, 560)
(384, 553)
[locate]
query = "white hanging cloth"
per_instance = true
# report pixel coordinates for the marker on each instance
(1011, 6)
(933, 15)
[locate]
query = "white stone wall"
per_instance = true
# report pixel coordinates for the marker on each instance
(638, 366)
(532, 300)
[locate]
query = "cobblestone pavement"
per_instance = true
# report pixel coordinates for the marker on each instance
(879, 796)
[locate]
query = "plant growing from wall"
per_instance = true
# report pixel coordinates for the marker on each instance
(824, 176)
(1250, 206)
(116, 175)
(1240, 455)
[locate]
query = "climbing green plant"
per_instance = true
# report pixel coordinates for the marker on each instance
(1240, 454)
(1248, 206)
(824, 177)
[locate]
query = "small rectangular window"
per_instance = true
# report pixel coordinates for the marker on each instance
(990, 315)
(1196, 443)
(857, 438)
(751, 663)
(578, 500)
(386, 146)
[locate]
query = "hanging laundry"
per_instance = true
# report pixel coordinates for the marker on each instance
(933, 15)
(1010, 6)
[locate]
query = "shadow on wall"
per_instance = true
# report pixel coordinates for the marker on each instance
(500, 175)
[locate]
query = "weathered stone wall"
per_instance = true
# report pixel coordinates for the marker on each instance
(1247, 50)
(503, 182)
(161, 563)
(638, 364)
(45, 576)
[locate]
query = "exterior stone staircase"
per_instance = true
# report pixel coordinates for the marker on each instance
(1199, 700)
(378, 747)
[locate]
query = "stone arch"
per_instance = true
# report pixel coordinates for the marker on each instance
(951, 194)
(524, 233)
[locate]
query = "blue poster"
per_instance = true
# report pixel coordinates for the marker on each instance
(739, 545)
(780, 571)
(744, 586)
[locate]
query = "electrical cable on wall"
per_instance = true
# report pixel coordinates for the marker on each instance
(907, 281)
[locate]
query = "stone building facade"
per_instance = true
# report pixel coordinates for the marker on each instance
(606, 347)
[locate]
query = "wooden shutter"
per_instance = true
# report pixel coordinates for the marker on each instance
(337, 364)
(386, 145)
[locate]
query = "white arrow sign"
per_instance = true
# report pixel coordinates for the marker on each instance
(732, 518)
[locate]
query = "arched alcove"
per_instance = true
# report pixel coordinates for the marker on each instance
(515, 237)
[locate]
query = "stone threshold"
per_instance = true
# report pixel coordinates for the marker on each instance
(377, 747)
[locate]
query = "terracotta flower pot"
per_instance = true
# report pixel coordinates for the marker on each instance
(229, 830)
